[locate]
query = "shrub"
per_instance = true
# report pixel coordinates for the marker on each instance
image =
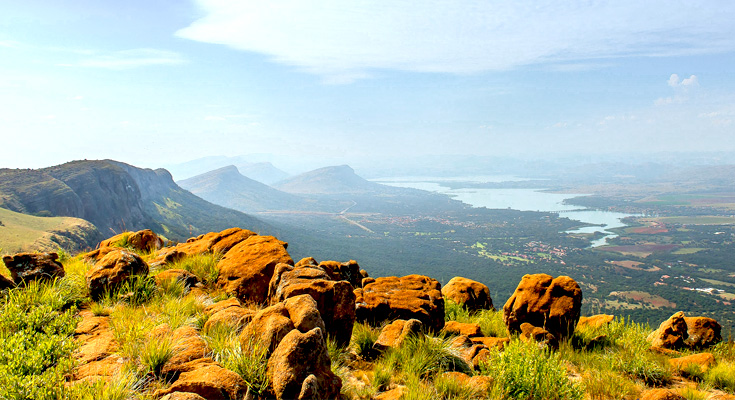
(524, 371)
(155, 353)
(363, 339)
(36, 342)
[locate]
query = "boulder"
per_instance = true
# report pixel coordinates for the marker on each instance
(300, 368)
(247, 268)
(209, 381)
(470, 294)
(27, 267)
(661, 394)
(113, 270)
(221, 305)
(182, 396)
(335, 299)
(347, 271)
(6, 283)
(97, 254)
(534, 334)
(702, 332)
(467, 349)
(459, 328)
(188, 346)
(702, 360)
(187, 278)
(491, 342)
(393, 334)
(409, 297)
(670, 333)
(595, 321)
(303, 312)
(550, 303)
(144, 240)
(268, 327)
(235, 317)
(212, 242)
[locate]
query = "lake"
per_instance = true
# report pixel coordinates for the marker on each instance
(518, 199)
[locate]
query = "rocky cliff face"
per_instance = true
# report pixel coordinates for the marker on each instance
(116, 197)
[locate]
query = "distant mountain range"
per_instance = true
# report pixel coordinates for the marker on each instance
(116, 197)
(229, 188)
(331, 180)
(263, 172)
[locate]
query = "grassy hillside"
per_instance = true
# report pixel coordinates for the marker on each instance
(21, 232)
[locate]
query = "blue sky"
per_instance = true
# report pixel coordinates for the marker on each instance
(160, 82)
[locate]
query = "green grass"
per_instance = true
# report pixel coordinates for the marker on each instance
(524, 371)
(155, 352)
(490, 321)
(22, 232)
(246, 359)
(423, 357)
(204, 266)
(362, 341)
(722, 376)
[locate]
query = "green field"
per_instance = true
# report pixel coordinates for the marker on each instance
(21, 232)
(699, 220)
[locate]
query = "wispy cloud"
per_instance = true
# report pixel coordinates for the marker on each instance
(344, 41)
(127, 59)
(675, 81)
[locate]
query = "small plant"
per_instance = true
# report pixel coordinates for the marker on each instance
(524, 371)
(363, 339)
(456, 312)
(137, 290)
(124, 241)
(250, 363)
(155, 353)
(204, 266)
(491, 323)
(693, 394)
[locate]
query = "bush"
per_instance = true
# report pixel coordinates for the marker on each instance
(524, 371)
(36, 341)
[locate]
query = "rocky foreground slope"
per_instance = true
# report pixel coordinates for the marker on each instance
(230, 315)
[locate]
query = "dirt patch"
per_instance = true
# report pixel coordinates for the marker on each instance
(644, 297)
(634, 265)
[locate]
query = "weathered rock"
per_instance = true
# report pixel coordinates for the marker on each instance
(235, 317)
(335, 299)
(182, 396)
(95, 338)
(479, 382)
(409, 297)
(467, 349)
(28, 267)
(491, 342)
(550, 303)
(703, 332)
(671, 333)
(482, 357)
(188, 346)
(95, 255)
(701, 360)
(210, 381)
(221, 305)
(5, 283)
(247, 268)
(187, 278)
(396, 393)
(212, 242)
(595, 321)
(470, 294)
(299, 368)
(459, 328)
(393, 334)
(303, 312)
(102, 369)
(367, 280)
(544, 338)
(347, 271)
(268, 327)
(144, 240)
(113, 270)
(661, 394)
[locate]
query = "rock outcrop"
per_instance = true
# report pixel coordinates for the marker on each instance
(470, 294)
(209, 381)
(247, 268)
(113, 270)
(300, 368)
(143, 240)
(534, 334)
(393, 334)
(212, 242)
(188, 279)
(595, 321)
(28, 267)
(460, 328)
(553, 304)
(335, 299)
(409, 297)
(267, 328)
(680, 331)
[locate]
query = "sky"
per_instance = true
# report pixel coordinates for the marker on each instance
(159, 82)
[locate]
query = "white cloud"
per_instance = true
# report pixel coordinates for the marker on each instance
(675, 81)
(127, 59)
(344, 41)
(662, 101)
